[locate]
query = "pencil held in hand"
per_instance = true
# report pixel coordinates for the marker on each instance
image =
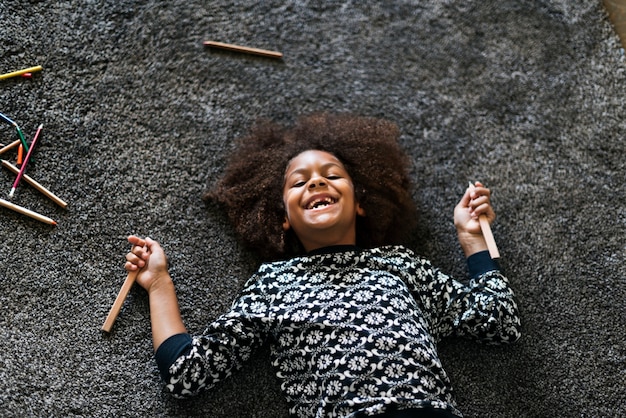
(486, 229)
(119, 301)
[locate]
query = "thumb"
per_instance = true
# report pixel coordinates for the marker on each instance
(151, 244)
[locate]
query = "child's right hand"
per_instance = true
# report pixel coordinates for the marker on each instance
(148, 258)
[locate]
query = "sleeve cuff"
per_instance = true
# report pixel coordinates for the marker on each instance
(172, 348)
(480, 263)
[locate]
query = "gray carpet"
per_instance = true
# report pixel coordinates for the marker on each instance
(526, 96)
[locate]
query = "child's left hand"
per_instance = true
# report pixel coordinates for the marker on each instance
(475, 202)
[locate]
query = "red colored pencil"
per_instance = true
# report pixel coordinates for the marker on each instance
(23, 168)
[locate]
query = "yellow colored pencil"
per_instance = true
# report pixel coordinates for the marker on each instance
(20, 72)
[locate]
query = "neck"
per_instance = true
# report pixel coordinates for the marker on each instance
(313, 245)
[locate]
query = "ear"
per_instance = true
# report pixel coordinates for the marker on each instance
(286, 224)
(359, 210)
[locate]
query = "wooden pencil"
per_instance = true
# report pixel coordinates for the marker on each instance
(486, 229)
(36, 185)
(10, 146)
(119, 301)
(244, 49)
(27, 212)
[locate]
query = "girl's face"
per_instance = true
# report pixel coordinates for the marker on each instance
(319, 201)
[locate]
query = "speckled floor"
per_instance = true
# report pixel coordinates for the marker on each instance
(138, 117)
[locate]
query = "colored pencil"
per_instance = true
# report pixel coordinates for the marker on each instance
(22, 139)
(19, 131)
(20, 155)
(244, 49)
(20, 72)
(28, 154)
(7, 119)
(36, 185)
(486, 229)
(27, 212)
(119, 301)
(11, 145)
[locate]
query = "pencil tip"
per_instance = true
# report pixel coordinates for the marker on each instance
(11, 192)
(53, 223)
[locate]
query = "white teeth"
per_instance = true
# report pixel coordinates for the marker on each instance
(320, 202)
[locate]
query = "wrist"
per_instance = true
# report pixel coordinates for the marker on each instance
(472, 243)
(161, 283)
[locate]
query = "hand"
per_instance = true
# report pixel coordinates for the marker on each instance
(474, 203)
(148, 258)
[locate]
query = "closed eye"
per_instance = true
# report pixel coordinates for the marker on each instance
(302, 183)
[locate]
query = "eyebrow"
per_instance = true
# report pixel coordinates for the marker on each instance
(304, 169)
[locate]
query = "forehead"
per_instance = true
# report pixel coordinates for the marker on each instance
(312, 158)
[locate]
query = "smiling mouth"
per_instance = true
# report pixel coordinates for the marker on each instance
(321, 202)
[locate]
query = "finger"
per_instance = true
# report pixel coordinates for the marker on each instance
(152, 246)
(135, 240)
(481, 209)
(479, 201)
(150, 243)
(131, 267)
(481, 191)
(136, 259)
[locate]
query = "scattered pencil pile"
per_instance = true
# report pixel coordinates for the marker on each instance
(19, 170)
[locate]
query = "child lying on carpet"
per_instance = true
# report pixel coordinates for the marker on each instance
(351, 315)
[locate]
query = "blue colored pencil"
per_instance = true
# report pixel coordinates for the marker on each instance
(19, 131)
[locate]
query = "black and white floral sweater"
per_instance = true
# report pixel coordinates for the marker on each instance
(353, 332)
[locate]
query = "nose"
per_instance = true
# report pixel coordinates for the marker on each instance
(316, 182)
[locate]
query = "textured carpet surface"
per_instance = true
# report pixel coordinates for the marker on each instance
(526, 96)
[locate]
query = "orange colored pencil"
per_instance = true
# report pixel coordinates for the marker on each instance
(20, 155)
